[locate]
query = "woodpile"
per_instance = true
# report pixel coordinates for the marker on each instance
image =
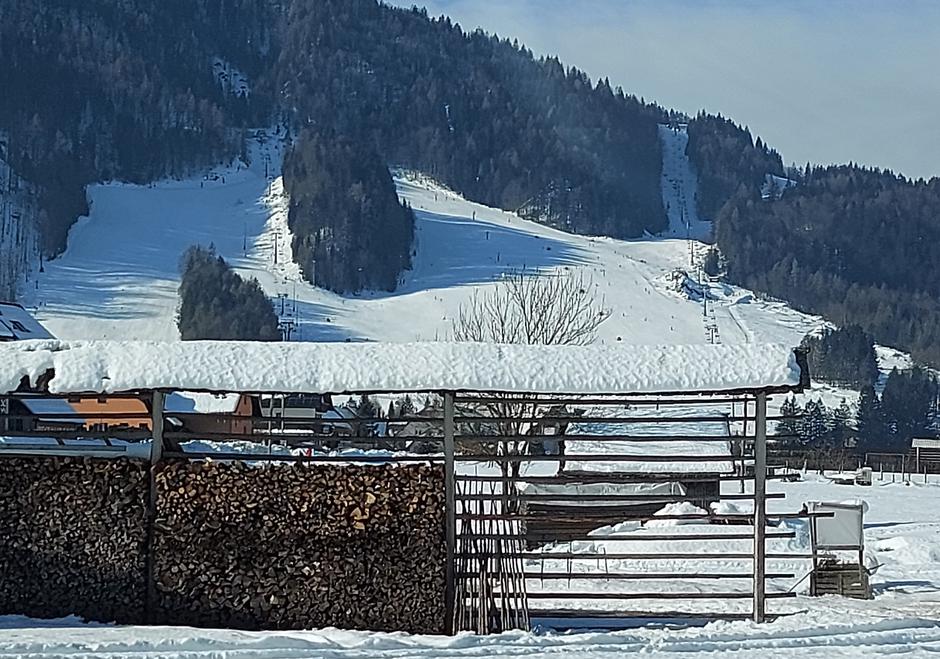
(72, 537)
(300, 546)
(234, 545)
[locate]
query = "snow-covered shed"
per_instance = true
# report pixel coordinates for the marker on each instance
(65, 367)
(614, 384)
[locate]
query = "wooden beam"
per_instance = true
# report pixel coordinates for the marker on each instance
(450, 507)
(760, 508)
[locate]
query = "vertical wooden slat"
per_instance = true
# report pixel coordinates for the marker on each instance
(156, 455)
(450, 511)
(156, 420)
(760, 511)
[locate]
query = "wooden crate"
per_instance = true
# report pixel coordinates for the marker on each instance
(845, 579)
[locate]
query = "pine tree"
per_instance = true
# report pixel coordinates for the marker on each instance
(407, 407)
(815, 424)
(789, 427)
(871, 429)
(841, 424)
(366, 408)
(216, 303)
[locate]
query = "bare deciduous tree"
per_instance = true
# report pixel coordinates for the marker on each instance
(544, 309)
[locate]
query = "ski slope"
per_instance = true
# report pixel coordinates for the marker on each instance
(118, 277)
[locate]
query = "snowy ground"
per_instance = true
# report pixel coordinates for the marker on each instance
(829, 632)
(901, 529)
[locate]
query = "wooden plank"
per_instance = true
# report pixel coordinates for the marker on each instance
(450, 505)
(626, 615)
(760, 509)
(602, 497)
(597, 457)
(593, 556)
(633, 537)
(739, 517)
(643, 576)
(606, 595)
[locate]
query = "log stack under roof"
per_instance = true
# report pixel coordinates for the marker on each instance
(234, 545)
(72, 538)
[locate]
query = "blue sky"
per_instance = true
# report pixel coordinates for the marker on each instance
(824, 81)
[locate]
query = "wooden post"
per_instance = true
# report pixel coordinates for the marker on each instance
(156, 455)
(743, 446)
(760, 511)
(450, 509)
(156, 420)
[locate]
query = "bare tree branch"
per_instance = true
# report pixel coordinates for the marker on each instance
(548, 309)
(529, 308)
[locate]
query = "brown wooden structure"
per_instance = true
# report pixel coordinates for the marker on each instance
(497, 577)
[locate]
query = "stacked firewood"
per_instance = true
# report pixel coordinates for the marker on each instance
(300, 546)
(72, 537)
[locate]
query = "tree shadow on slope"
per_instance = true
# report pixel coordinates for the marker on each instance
(454, 250)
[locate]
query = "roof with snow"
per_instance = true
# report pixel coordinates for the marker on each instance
(233, 366)
(16, 324)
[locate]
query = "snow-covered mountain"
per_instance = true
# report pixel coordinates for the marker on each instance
(119, 276)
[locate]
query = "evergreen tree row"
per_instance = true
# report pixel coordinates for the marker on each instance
(844, 356)
(852, 244)
(726, 158)
(216, 303)
(814, 426)
(350, 230)
(907, 408)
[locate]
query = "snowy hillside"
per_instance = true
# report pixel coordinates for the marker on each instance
(119, 276)
(679, 186)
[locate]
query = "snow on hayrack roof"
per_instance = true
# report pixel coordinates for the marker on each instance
(233, 366)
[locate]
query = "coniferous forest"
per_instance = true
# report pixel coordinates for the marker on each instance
(727, 158)
(852, 244)
(126, 90)
(350, 231)
(216, 303)
(843, 356)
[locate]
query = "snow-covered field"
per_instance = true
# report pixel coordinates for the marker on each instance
(829, 632)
